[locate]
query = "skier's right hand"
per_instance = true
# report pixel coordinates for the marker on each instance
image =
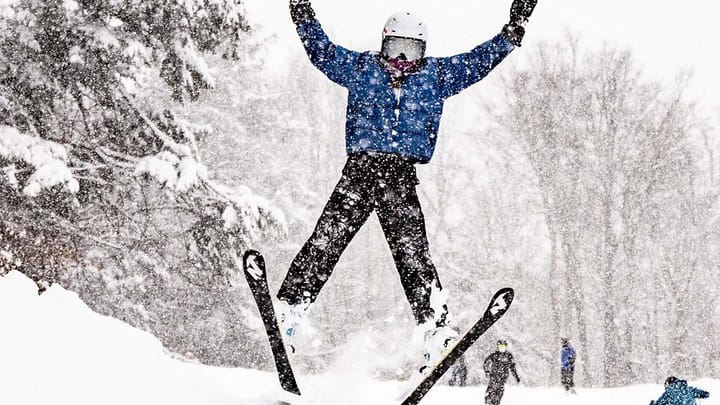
(301, 10)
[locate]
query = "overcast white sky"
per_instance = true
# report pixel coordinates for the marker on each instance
(666, 35)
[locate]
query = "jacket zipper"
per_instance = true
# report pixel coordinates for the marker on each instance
(398, 94)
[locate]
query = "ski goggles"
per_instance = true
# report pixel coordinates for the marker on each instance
(403, 48)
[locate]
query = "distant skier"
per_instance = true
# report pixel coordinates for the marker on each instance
(678, 392)
(395, 101)
(458, 373)
(567, 366)
(498, 366)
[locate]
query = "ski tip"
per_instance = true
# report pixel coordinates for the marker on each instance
(254, 263)
(501, 301)
(505, 290)
(251, 252)
(253, 255)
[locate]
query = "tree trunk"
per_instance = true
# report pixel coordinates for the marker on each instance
(576, 302)
(614, 363)
(554, 292)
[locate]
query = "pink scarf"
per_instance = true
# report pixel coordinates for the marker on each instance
(398, 68)
(403, 66)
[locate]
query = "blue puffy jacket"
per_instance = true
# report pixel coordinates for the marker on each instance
(567, 357)
(680, 393)
(377, 121)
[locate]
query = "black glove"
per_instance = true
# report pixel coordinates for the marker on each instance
(514, 33)
(301, 10)
(517, 379)
(520, 11)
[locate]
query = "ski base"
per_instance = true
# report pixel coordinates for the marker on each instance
(256, 276)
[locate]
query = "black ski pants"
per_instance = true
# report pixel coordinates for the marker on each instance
(567, 378)
(385, 184)
(495, 391)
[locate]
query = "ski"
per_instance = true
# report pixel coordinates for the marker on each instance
(254, 269)
(496, 309)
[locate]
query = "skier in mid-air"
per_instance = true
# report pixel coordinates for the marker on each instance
(678, 392)
(395, 100)
(498, 366)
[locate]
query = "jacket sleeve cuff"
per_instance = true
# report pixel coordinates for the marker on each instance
(514, 33)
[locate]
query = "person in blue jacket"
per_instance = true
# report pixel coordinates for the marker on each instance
(567, 366)
(678, 392)
(395, 101)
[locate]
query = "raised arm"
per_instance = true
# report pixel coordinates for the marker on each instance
(698, 393)
(459, 72)
(336, 62)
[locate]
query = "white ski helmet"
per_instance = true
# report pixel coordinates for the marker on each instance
(404, 37)
(405, 25)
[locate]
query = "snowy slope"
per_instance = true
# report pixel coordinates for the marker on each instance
(55, 350)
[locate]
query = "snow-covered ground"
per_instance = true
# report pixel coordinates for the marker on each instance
(55, 350)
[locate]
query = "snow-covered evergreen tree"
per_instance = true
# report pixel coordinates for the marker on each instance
(96, 177)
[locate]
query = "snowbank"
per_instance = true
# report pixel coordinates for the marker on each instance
(55, 350)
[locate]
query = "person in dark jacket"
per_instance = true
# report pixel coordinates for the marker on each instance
(458, 375)
(678, 392)
(395, 101)
(567, 366)
(498, 366)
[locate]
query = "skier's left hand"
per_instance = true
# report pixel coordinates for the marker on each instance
(520, 11)
(517, 379)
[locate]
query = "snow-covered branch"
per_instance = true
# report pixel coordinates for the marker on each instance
(49, 159)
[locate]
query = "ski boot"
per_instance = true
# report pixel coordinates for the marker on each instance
(290, 319)
(437, 344)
